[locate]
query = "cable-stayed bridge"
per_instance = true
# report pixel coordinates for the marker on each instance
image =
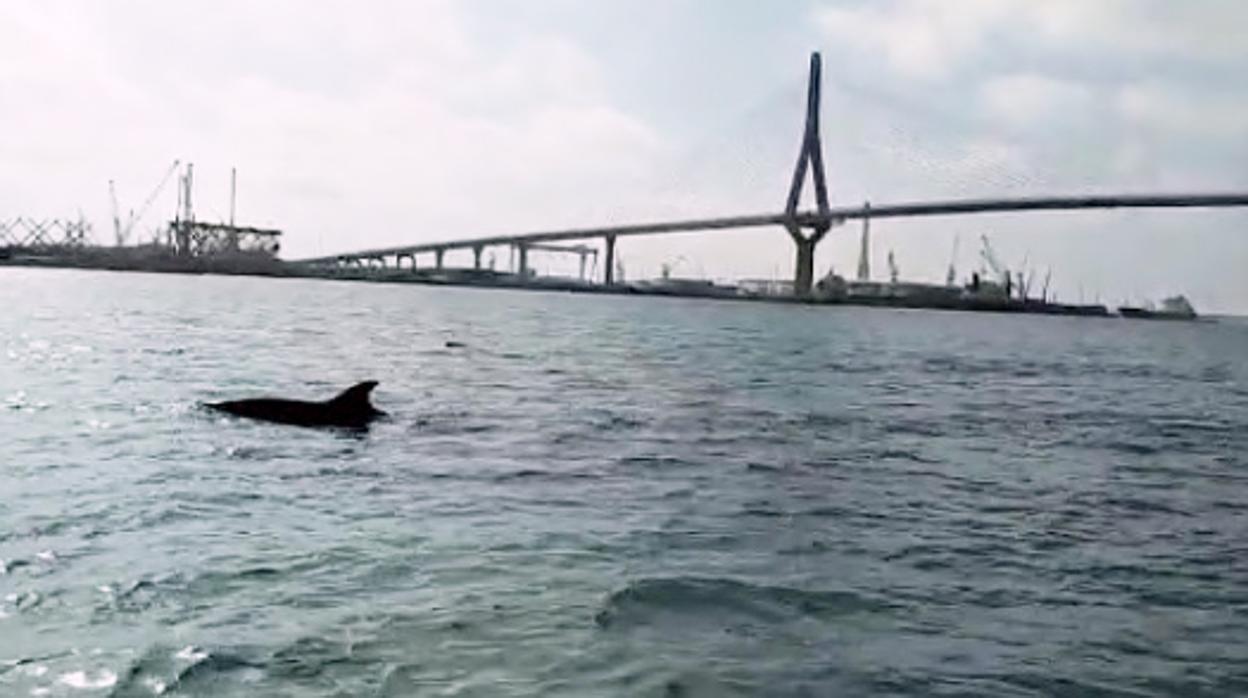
(805, 228)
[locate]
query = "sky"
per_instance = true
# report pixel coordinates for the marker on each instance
(363, 124)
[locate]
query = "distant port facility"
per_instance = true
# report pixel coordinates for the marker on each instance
(193, 246)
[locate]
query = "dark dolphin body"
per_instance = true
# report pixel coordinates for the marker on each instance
(350, 409)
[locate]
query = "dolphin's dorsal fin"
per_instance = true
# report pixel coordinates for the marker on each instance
(355, 397)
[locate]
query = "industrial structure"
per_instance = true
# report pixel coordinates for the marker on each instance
(182, 244)
(189, 238)
(31, 236)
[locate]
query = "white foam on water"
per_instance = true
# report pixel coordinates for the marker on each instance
(35, 670)
(191, 653)
(156, 686)
(40, 691)
(28, 599)
(81, 679)
(105, 589)
(46, 555)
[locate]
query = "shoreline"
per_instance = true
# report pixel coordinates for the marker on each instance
(105, 260)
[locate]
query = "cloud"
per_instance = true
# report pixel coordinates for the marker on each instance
(382, 124)
(923, 39)
(1029, 100)
(1178, 112)
(938, 40)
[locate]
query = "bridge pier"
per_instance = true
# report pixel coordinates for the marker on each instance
(804, 274)
(523, 253)
(476, 256)
(608, 270)
(437, 257)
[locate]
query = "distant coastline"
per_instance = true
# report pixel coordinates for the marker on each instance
(156, 260)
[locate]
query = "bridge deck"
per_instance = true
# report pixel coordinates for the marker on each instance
(810, 219)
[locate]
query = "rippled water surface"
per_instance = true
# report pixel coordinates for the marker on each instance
(612, 496)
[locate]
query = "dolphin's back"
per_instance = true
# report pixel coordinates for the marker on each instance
(351, 408)
(277, 410)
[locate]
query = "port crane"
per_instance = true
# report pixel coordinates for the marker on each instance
(122, 233)
(951, 276)
(989, 257)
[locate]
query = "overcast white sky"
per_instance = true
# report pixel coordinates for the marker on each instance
(359, 124)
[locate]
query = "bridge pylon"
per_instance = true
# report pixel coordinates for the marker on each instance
(810, 158)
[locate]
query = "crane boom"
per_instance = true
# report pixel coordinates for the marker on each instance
(990, 257)
(134, 219)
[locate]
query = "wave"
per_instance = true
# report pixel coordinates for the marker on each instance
(668, 600)
(162, 670)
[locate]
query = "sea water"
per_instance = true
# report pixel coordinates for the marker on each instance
(612, 496)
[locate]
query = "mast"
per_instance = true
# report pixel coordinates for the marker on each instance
(864, 254)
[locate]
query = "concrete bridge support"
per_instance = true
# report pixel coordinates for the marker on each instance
(608, 269)
(522, 251)
(476, 257)
(804, 275)
(437, 257)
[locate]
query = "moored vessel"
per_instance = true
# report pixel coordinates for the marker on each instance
(1172, 308)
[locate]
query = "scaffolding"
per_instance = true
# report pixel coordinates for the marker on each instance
(44, 235)
(201, 239)
(188, 237)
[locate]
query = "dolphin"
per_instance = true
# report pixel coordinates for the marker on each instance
(350, 409)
